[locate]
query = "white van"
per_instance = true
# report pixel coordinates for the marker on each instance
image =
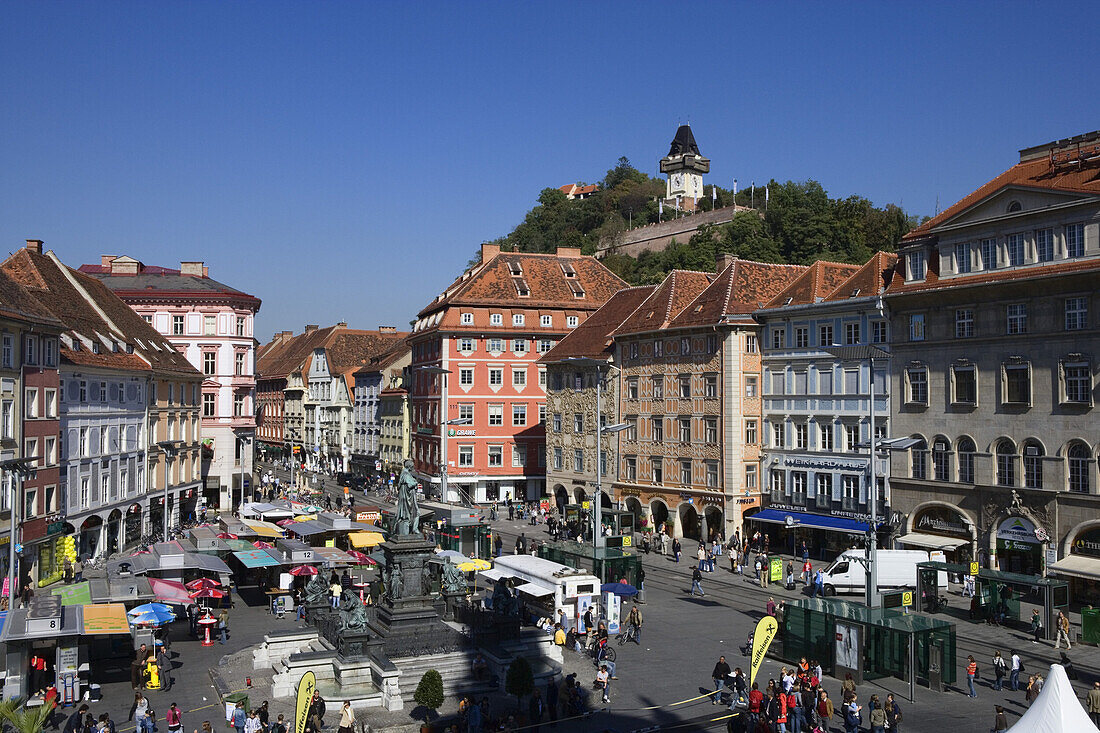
(546, 586)
(896, 569)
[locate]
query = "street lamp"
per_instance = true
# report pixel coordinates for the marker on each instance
(443, 423)
(597, 510)
(170, 448)
(242, 437)
(19, 468)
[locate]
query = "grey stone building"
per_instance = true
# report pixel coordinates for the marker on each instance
(995, 334)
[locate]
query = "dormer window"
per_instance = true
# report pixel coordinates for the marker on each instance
(496, 319)
(546, 321)
(567, 270)
(916, 265)
(467, 319)
(517, 319)
(521, 288)
(515, 269)
(578, 291)
(570, 321)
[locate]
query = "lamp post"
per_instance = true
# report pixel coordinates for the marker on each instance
(169, 448)
(443, 423)
(18, 469)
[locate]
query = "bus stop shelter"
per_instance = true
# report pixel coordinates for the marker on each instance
(999, 592)
(609, 564)
(870, 643)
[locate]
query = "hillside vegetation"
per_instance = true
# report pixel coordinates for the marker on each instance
(801, 224)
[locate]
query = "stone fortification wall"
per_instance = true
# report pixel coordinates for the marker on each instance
(657, 237)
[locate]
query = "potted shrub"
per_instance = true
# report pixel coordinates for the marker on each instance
(520, 680)
(429, 693)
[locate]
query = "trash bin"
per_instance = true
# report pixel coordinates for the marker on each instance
(230, 701)
(1090, 625)
(95, 694)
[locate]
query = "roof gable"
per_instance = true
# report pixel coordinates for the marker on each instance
(668, 300)
(593, 338)
(813, 285)
(871, 279)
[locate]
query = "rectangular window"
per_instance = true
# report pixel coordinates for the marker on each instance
(685, 429)
(30, 403)
(851, 438)
(30, 355)
(209, 325)
(466, 345)
(800, 433)
(966, 463)
(49, 352)
(519, 415)
(658, 348)
(965, 382)
(711, 430)
(631, 468)
(751, 345)
(519, 377)
(632, 388)
(545, 345)
(177, 325)
(778, 480)
(752, 386)
(519, 456)
(1044, 244)
(824, 487)
(712, 474)
(496, 415)
(240, 326)
(207, 405)
(658, 388)
(685, 345)
(750, 477)
(916, 327)
(238, 365)
(685, 472)
(751, 437)
(917, 386)
(1077, 313)
(684, 382)
(964, 323)
(778, 338)
(557, 422)
(496, 456)
(209, 362)
(1075, 240)
(496, 345)
(557, 460)
(1014, 247)
(852, 333)
(49, 452)
(798, 487)
(519, 346)
(657, 469)
(710, 385)
(1016, 315)
(8, 355)
(988, 251)
(578, 422)
(777, 434)
(825, 432)
(962, 258)
(239, 405)
(916, 265)
(466, 376)
(825, 335)
(1017, 384)
(657, 423)
(496, 377)
(801, 337)
(578, 460)
(1077, 379)
(850, 488)
(465, 455)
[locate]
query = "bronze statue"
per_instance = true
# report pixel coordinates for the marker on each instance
(395, 585)
(316, 591)
(453, 579)
(353, 614)
(407, 520)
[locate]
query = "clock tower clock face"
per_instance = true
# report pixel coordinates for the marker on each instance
(677, 181)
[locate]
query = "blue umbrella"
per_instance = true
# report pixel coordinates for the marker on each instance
(153, 618)
(148, 607)
(619, 589)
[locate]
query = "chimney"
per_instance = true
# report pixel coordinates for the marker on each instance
(723, 260)
(192, 269)
(570, 252)
(125, 266)
(489, 251)
(387, 329)
(311, 327)
(34, 245)
(105, 260)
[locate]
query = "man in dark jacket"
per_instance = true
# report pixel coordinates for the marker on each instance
(720, 673)
(696, 580)
(534, 710)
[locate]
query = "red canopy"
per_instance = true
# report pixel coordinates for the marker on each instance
(261, 545)
(207, 593)
(304, 570)
(361, 558)
(226, 536)
(200, 583)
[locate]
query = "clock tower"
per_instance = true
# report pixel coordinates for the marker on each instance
(685, 168)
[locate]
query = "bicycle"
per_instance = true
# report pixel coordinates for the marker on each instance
(603, 651)
(626, 635)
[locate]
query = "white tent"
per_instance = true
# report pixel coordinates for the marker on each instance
(1057, 709)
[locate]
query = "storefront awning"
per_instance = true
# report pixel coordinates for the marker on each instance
(365, 539)
(931, 541)
(334, 555)
(106, 618)
(493, 574)
(536, 590)
(308, 527)
(1078, 566)
(816, 521)
(263, 529)
(258, 558)
(76, 594)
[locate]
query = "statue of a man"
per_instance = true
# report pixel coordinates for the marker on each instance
(408, 511)
(353, 614)
(316, 590)
(453, 579)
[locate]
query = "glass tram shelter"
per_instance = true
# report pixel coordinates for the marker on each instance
(609, 564)
(999, 592)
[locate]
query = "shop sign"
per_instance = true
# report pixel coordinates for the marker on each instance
(629, 492)
(55, 528)
(1016, 545)
(941, 521)
(1087, 543)
(831, 464)
(451, 433)
(805, 510)
(1017, 529)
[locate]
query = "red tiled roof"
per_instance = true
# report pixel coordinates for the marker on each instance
(592, 339)
(740, 289)
(491, 283)
(49, 282)
(871, 279)
(1035, 174)
(820, 279)
(676, 291)
(347, 350)
(383, 360)
(17, 303)
(277, 360)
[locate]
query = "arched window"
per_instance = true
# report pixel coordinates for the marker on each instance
(1033, 465)
(1006, 463)
(1014, 206)
(965, 451)
(941, 458)
(1079, 468)
(918, 455)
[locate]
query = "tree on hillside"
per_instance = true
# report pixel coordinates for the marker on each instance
(747, 237)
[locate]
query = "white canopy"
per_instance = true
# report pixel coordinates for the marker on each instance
(1057, 709)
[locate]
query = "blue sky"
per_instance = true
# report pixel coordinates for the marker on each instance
(342, 161)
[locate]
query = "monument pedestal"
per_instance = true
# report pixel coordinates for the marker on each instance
(452, 598)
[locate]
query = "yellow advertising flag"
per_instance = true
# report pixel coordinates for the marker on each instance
(761, 640)
(306, 687)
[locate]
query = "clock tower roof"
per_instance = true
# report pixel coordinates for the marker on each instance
(683, 154)
(683, 142)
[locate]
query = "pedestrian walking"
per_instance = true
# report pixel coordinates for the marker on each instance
(139, 713)
(252, 722)
(807, 572)
(696, 578)
(971, 674)
(719, 674)
(265, 717)
(75, 723)
(1092, 702)
(1063, 631)
(535, 709)
(877, 716)
(819, 584)
(677, 549)
(701, 556)
(1036, 626)
(347, 718)
(790, 575)
(1000, 668)
(733, 557)
(223, 626)
(173, 718)
(634, 625)
(893, 714)
(853, 715)
(1000, 720)
(1016, 667)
